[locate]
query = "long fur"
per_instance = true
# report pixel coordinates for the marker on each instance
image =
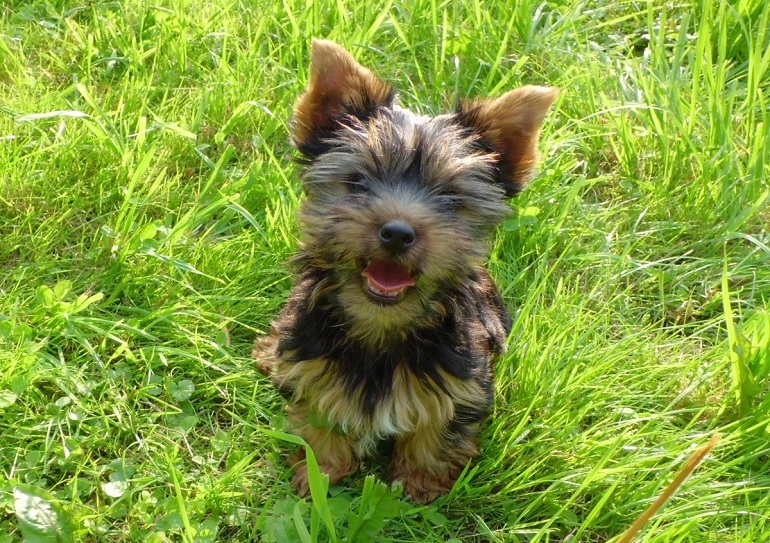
(417, 370)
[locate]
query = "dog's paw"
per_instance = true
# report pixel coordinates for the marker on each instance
(300, 481)
(424, 488)
(264, 352)
(423, 495)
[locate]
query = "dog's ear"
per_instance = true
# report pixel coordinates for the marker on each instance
(338, 88)
(510, 126)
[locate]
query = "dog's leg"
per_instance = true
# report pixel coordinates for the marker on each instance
(335, 452)
(264, 352)
(429, 461)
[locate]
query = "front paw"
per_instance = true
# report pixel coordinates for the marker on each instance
(423, 494)
(422, 487)
(300, 481)
(264, 351)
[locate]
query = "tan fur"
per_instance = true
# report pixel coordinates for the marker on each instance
(512, 123)
(412, 408)
(439, 252)
(336, 81)
(414, 412)
(334, 452)
(264, 353)
(425, 467)
(393, 325)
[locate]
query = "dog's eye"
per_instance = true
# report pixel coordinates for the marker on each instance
(449, 201)
(356, 184)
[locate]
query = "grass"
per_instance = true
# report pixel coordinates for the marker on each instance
(147, 204)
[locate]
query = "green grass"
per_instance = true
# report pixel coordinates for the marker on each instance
(147, 208)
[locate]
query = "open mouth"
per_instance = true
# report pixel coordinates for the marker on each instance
(386, 282)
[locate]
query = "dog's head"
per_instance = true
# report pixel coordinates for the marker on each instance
(400, 207)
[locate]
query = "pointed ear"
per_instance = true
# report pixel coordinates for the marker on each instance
(339, 87)
(510, 126)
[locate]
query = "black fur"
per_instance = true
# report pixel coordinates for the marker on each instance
(384, 340)
(319, 141)
(320, 331)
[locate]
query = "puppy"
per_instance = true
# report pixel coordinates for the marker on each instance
(394, 325)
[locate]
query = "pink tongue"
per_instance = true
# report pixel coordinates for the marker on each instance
(388, 276)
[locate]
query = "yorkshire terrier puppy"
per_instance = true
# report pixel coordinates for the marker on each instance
(394, 324)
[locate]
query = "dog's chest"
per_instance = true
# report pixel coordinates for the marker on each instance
(408, 405)
(411, 404)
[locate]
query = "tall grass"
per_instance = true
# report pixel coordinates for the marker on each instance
(147, 204)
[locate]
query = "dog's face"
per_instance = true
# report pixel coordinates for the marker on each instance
(399, 208)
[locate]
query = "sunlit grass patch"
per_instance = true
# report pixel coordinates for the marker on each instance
(147, 211)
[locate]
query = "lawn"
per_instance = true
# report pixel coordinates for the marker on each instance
(147, 212)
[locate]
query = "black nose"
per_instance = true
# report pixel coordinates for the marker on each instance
(397, 235)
